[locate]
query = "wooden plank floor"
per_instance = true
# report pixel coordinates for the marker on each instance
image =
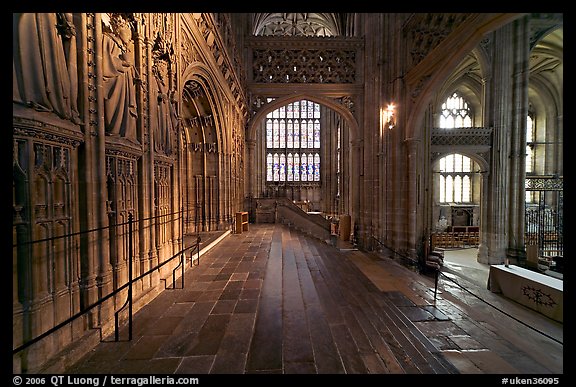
(272, 300)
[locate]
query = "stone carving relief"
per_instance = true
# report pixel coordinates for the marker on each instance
(92, 116)
(163, 24)
(425, 31)
(256, 102)
(348, 101)
(20, 177)
(419, 87)
(225, 62)
(189, 52)
(203, 147)
(44, 62)
(119, 77)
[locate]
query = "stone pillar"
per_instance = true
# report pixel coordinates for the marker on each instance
(494, 233)
(345, 204)
(373, 76)
(214, 198)
(413, 206)
(91, 49)
(150, 258)
(102, 237)
(521, 54)
(251, 174)
(356, 189)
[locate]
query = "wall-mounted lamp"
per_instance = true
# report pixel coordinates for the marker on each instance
(390, 116)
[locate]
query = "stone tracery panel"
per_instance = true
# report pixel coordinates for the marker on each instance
(163, 202)
(304, 65)
(467, 136)
(121, 181)
(545, 183)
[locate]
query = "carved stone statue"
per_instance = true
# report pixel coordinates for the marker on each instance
(166, 116)
(44, 60)
(119, 75)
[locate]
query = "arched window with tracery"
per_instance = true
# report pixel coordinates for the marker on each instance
(455, 179)
(455, 113)
(293, 143)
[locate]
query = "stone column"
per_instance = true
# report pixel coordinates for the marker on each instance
(372, 101)
(345, 205)
(521, 54)
(98, 194)
(90, 88)
(150, 258)
(250, 173)
(356, 189)
(413, 206)
(494, 233)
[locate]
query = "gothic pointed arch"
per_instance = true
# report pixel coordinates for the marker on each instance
(202, 116)
(330, 103)
(424, 79)
(201, 75)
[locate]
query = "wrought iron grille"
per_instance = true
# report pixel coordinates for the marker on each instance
(544, 215)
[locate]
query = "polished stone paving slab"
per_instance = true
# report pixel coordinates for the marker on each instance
(272, 300)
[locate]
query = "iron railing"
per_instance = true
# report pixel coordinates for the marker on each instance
(129, 300)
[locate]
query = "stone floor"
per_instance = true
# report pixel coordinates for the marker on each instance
(272, 300)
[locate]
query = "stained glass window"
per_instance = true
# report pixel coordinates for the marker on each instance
(276, 167)
(282, 167)
(282, 135)
(310, 167)
(304, 134)
(289, 130)
(303, 167)
(290, 134)
(296, 167)
(296, 134)
(269, 133)
(455, 179)
(269, 162)
(276, 131)
(316, 133)
(290, 175)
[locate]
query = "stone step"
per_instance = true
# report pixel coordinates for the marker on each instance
(395, 338)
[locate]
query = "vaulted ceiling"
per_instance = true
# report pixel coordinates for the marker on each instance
(296, 24)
